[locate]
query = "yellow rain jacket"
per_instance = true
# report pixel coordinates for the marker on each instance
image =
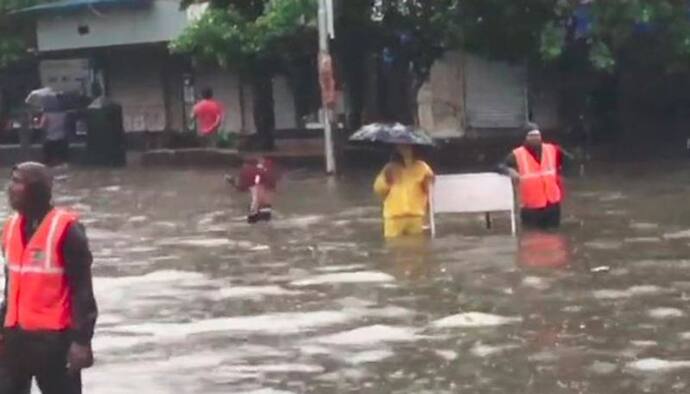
(408, 195)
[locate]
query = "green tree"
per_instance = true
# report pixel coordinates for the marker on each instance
(254, 38)
(602, 44)
(611, 29)
(13, 39)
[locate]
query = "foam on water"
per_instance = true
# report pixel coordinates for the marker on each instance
(142, 249)
(124, 293)
(114, 188)
(109, 319)
(300, 222)
(602, 368)
(644, 226)
(642, 343)
(612, 196)
(535, 282)
(369, 356)
(474, 319)
(630, 292)
(481, 350)
(255, 292)
(274, 368)
(665, 313)
(678, 235)
(312, 350)
(642, 240)
(341, 268)
(105, 342)
(268, 391)
(175, 276)
(370, 335)
(204, 242)
(604, 245)
(448, 355)
(276, 324)
(657, 365)
(347, 277)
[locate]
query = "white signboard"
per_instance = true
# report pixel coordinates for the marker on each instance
(472, 193)
(68, 75)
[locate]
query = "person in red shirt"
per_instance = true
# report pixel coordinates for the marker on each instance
(259, 176)
(208, 114)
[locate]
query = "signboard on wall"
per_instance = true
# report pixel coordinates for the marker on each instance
(66, 75)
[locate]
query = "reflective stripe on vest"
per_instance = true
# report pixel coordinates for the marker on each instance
(538, 180)
(38, 297)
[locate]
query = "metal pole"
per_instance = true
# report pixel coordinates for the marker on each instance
(323, 50)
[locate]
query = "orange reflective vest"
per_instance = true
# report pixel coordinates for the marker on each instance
(539, 185)
(38, 297)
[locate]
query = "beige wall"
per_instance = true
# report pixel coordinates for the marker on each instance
(441, 99)
(497, 90)
(226, 88)
(135, 81)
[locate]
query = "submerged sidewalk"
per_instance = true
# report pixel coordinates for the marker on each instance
(209, 157)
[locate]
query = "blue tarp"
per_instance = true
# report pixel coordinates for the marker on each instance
(73, 5)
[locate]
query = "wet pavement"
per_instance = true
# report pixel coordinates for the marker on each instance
(193, 300)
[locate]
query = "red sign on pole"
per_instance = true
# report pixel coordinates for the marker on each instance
(327, 80)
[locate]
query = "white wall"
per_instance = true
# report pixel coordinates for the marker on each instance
(66, 75)
(161, 21)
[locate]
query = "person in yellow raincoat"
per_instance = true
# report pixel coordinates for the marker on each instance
(404, 185)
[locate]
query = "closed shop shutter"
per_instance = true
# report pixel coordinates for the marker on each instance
(496, 93)
(136, 83)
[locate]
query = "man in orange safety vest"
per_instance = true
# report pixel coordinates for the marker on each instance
(537, 166)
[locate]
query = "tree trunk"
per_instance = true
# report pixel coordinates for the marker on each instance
(264, 118)
(416, 83)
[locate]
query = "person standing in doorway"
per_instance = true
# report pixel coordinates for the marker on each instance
(208, 114)
(404, 186)
(49, 309)
(537, 166)
(56, 142)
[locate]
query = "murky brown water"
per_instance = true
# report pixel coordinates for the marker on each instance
(195, 301)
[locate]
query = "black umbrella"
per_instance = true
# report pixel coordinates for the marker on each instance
(394, 134)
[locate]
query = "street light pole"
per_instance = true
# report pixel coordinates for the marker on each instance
(323, 16)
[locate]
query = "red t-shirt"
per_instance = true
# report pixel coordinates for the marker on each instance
(254, 174)
(208, 115)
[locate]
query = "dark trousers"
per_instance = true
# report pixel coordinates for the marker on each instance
(55, 152)
(544, 218)
(264, 214)
(42, 356)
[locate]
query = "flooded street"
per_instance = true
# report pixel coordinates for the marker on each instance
(193, 300)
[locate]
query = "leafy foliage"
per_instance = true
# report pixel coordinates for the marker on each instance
(236, 36)
(12, 43)
(611, 28)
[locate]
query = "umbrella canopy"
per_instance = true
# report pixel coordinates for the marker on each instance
(396, 134)
(44, 98)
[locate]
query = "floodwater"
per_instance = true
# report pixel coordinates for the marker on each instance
(193, 300)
